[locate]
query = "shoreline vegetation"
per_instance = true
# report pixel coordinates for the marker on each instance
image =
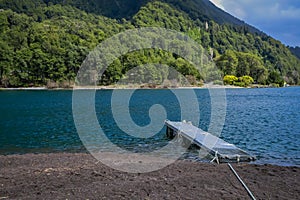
(136, 86)
(79, 175)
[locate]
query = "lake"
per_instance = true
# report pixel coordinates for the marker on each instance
(264, 122)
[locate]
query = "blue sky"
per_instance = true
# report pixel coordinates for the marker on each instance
(277, 18)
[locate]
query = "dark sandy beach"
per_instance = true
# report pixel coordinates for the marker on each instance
(80, 176)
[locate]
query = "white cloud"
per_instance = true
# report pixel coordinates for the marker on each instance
(218, 3)
(232, 7)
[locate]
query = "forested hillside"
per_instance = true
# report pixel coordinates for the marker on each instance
(117, 9)
(44, 42)
(295, 51)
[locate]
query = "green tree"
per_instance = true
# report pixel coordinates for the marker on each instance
(275, 78)
(228, 62)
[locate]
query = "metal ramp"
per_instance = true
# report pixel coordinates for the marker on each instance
(223, 151)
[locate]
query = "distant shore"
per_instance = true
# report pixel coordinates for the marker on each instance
(80, 176)
(110, 87)
(122, 87)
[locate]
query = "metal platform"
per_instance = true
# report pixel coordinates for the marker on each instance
(223, 151)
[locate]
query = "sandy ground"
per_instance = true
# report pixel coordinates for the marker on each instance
(80, 176)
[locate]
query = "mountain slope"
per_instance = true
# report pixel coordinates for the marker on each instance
(45, 41)
(203, 10)
(295, 51)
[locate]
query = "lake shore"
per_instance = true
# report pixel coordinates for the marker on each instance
(135, 86)
(111, 87)
(80, 176)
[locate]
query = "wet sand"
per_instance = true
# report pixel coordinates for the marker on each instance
(80, 176)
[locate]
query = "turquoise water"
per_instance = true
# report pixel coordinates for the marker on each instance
(265, 122)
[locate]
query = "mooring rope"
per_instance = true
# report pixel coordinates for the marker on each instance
(242, 182)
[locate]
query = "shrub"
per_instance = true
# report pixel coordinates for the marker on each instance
(230, 79)
(218, 82)
(240, 84)
(247, 80)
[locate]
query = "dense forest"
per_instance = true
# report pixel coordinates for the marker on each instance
(44, 42)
